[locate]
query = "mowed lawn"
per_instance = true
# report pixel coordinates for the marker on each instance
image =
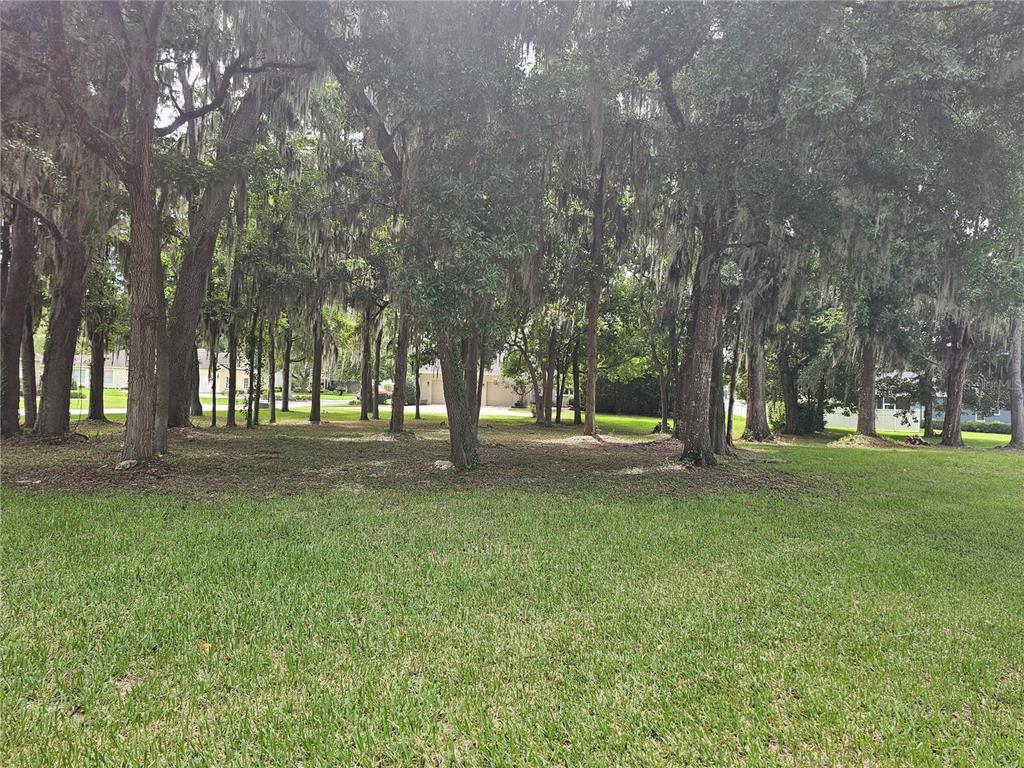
(301, 595)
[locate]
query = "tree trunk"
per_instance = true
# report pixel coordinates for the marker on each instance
(318, 354)
(62, 339)
(734, 368)
(250, 354)
(577, 417)
(97, 360)
(699, 358)
(416, 365)
(28, 368)
(163, 392)
(790, 392)
(454, 375)
(238, 133)
(12, 317)
(365, 380)
(259, 375)
(959, 356)
(717, 405)
(757, 408)
(212, 375)
(197, 402)
(594, 299)
(272, 365)
(232, 373)
(376, 371)
(397, 423)
(479, 389)
(866, 395)
(559, 388)
(286, 370)
(549, 374)
(1016, 385)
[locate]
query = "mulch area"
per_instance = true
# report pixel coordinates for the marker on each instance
(296, 458)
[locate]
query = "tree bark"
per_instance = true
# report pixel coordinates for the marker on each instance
(376, 372)
(318, 355)
(230, 420)
(734, 368)
(866, 394)
(962, 345)
(397, 422)
(577, 417)
(20, 275)
(706, 296)
(458, 401)
(250, 354)
(238, 134)
(286, 370)
(197, 401)
(97, 361)
(259, 374)
(272, 365)
(790, 392)
(28, 368)
(717, 403)
(365, 379)
(594, 299)
(559, 388)
(757, 407)
(416, 365)
(1016, 385)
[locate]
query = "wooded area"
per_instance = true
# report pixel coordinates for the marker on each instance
(794, 199)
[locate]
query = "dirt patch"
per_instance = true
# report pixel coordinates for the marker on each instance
(861, 441)
(294, 458)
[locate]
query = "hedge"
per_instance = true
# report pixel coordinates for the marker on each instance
(990, 427)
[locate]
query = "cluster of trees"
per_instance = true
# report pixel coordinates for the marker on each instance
(689, 190)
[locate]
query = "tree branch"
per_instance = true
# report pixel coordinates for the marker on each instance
(222, 92)
(54, 229)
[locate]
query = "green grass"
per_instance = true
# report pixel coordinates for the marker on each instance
(830, 607)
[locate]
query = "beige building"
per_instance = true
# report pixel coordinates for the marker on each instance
(497, 391)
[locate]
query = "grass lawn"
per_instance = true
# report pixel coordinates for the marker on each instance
(325, 596)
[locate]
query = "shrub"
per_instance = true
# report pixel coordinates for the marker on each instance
(637, 397)
(989, 427)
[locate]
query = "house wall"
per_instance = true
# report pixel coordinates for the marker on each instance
(496, 392)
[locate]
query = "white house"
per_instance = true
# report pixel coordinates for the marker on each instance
(497, 391)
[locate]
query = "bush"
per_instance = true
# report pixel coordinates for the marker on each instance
(77, 393)
(637, 397)
(989, 427)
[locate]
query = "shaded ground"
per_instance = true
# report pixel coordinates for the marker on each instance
(294, 456)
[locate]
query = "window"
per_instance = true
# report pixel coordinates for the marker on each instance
(108, 378)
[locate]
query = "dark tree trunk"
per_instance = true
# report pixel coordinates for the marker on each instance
(549, 374)
(232, 373)
(197, 402)
(238, 134)
(679, 389)
(594, 299)
(376, 371)
(97, 360)
(577, 417)
(962, 345)
(259, 375)
(12, 317)
(416, 365)
(458, 401)
(559, 388)
(365, 379)
(212, 374)
(734, 368)
(757, 407)
(717, 405)
(1016, 385)
(700, 351)
(163, 381)
(286, 370)
(28, 368)
(788, 379)
(250, 354)
(397, 423)
(866, 392)
(272, 365)
(62, 339)
(318, 355)
(479, 388)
